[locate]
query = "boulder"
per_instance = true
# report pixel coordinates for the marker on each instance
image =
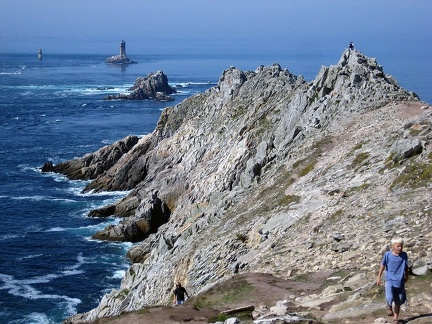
(405, 148)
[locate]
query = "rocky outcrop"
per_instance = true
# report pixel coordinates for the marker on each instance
(153, 214)
(267, 172)
(154, 86)
(120, 59)
(93, 164)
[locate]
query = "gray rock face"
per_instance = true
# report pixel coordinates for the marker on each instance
(405, 149)
(269, 173)
(154, 86)
(153, 214)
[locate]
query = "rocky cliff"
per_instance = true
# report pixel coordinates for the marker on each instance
(267, 172)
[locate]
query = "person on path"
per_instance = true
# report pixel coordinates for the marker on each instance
(351, 46)
(179, 294)
(395, 262)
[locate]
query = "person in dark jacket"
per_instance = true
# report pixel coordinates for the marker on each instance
(179, 294)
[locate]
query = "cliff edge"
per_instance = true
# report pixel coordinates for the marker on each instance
(269, 173)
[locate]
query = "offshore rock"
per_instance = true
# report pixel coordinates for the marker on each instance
(119, 59)
(267, 172)
(154, 86)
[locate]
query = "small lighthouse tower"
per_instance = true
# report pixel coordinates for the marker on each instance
(121, 58)
(40, 54)
(122, 48)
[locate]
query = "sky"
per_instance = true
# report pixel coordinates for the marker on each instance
(231, 26)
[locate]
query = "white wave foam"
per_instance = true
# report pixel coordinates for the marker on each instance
(119, 274)
(23, 288)
(41, 198)
(57, 229)
(115, 194)
(9, 236)
(37, 318)
(33, 198)
(26, 167)
(11, 73)
(31, 256)
(88, 228)
(90, 90)
(188, 84)
(72, 272)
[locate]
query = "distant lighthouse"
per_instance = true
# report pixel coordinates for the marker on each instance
(40, 54)
(122, 48)
(121, 58)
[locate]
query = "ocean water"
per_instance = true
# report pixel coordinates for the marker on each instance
(53, 110)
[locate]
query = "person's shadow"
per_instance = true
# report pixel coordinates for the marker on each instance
(407, 320)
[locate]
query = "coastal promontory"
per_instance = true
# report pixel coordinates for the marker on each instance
(273, 177)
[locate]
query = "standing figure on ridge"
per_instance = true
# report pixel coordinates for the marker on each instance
(351, 46)
(395, 262)
(179, 294)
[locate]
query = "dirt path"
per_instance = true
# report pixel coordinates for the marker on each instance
(267, 290)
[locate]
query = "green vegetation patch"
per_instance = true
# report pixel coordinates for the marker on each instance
(274, 195)
(288, 199)
(307, 164)
(358, 146)
(336, 215)
(359, 159)
(308, 168)
(303, 166)
(360, 188)
(226, 294)
(238, 111)
(124, 293)
(218, 318)
(414, 175)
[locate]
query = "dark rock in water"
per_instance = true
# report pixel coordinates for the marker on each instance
(48, 167)
(154, 87)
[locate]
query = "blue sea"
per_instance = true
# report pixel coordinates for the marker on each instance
(53, 110)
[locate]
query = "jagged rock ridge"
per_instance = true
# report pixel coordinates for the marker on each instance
(269, 173)
(154, 86)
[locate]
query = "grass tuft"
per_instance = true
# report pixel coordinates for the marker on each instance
(414, 175)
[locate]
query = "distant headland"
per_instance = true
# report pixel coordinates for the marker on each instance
(122, 57)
